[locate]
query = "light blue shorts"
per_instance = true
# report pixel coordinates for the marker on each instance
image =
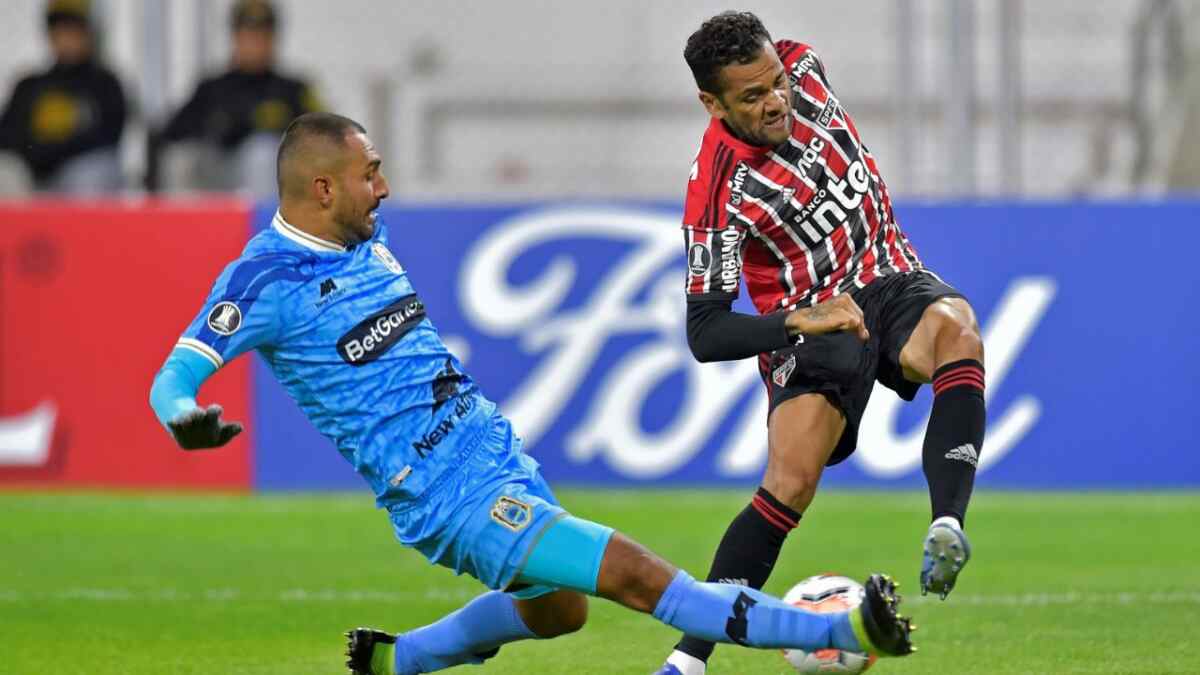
(486, 519)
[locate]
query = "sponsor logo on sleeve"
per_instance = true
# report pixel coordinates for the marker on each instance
(736, 183)
(225, 318)
(804, 65)
(376, 334)
(731, 259)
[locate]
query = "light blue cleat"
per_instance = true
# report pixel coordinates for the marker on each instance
(667, 669)
(947, 551)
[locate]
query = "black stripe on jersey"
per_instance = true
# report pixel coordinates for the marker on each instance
(722, 167)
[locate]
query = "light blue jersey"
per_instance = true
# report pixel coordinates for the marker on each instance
(347, 336)
(345, 333)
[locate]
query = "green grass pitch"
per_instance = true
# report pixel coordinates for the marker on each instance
(141, 584)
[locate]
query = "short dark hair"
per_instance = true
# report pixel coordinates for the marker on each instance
(729, 37)
(253, 14)
(314, 125)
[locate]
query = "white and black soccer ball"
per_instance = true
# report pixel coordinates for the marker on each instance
(827, 593)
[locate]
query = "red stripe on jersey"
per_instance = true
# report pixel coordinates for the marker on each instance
(712, 217)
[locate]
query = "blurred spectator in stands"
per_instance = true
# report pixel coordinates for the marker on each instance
(65, 123)
(234, 120)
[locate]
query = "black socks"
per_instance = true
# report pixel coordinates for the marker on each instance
(954, 438)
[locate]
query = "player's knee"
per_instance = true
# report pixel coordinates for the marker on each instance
(958, 335)
(796, 487)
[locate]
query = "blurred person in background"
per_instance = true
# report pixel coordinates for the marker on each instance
(65, 123)
(238, 116)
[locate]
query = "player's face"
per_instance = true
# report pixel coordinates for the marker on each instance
(755, 101)
(362, 186)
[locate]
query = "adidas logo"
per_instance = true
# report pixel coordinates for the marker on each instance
(965, 453)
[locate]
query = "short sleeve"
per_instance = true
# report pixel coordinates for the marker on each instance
(241, 313)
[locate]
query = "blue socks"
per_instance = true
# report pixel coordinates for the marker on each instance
(715, 612)
(728, 613)
(481, 625)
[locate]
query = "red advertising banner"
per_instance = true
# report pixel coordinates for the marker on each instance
(92, 298)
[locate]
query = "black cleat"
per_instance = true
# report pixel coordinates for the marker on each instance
(888, 633)
(360, 646)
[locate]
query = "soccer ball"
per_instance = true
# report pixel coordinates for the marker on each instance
(827, 593)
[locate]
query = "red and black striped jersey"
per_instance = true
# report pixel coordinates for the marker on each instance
(803, 221)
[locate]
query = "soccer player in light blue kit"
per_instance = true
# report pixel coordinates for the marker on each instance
(331, 310)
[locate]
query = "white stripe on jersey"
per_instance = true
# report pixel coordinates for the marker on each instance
(201, 349)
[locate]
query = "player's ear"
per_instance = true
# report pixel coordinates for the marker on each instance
(712, 103)
(322, 187)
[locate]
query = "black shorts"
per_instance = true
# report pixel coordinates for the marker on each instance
(845, 369)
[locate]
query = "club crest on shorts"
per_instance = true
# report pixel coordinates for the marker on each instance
(511, 513)
(225, 318)
(699, 259)
(385, 257)
(784, 371)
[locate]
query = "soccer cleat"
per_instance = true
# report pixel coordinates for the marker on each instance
(667, 669)
(360, 652)
(877, 625)
(947, 551)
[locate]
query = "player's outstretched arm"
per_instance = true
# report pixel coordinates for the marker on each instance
(173, 398)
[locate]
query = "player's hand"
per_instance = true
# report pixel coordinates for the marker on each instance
(839, 313)
(202, 428)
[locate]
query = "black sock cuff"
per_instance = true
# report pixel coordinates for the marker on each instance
(774, 511)
(963, 373)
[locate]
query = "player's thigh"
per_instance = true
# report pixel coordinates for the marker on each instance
(947, 331)
(802, 434)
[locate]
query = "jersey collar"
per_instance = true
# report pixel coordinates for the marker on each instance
(303, 238)
(741, 149)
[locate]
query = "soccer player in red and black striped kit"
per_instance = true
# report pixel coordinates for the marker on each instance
(785, 195)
